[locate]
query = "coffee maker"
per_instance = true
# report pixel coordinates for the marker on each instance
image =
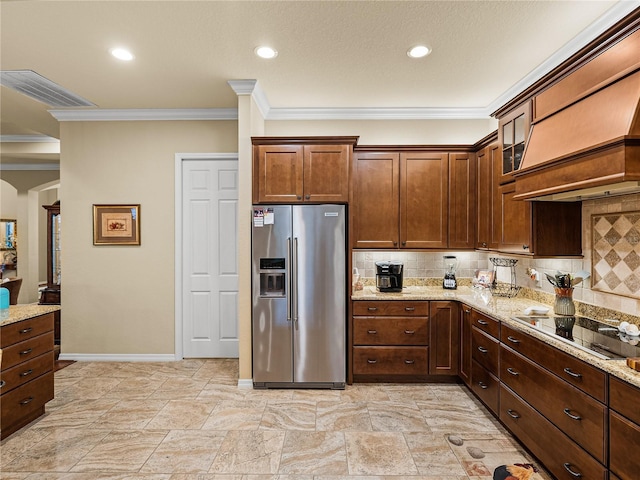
(389, 276)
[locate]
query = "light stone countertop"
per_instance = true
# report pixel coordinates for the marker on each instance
(17, 313)
(502, 309)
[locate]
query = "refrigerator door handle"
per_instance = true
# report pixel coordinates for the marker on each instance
(294, 281)
(287, 273)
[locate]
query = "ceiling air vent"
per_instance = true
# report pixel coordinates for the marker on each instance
(41, 89)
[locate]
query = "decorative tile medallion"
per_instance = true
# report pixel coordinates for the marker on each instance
(615, 261)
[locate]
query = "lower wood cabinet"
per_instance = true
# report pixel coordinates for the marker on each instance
(560, 455)
(465, 344)
(26, 376)
(390, 341)
(486, 386)
(444, 341)
(624, 430)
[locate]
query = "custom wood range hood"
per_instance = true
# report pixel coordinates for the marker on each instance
(585, 138)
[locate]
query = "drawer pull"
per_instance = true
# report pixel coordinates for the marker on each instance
(467, 310)
(2, 383)
(513, 340)
(513, 414)
(372, 332)
(483, 385)
(372, 309)
(27, 351)
(372, 361)
(572, 416)
(512, 372)
(568, 371)
(483, 323)
(482, 350)
(409, 309)
(26, 401)
(409, 362)
(409, 332)
(26, 330)
(567, 467)
(26, 373)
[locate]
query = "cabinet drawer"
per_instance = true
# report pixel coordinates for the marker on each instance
(20, 331)
(390, 331)
(625, 445)
(485, 350)
(386, 307)
(390, 360)
(574, 412)
(25, 400)
(578, 373)
(486, 324)
(23, 351)
(25, 372)
(554, 449)
(623, 398)
(485, 386)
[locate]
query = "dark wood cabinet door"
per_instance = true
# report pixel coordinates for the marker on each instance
(326, 173)
(487, 166)
(624, 444)
(515, 222)
(465, 344)
(375, 200)
(279, 171)
(444, 338)
(462, 200)
(423, 199)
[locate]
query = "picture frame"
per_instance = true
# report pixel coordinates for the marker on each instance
(116, 224)
(483, 278)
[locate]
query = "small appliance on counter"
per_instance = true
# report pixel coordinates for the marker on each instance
(450, 265)
(389, 276)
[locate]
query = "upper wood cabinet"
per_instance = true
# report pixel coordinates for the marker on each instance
(301, 169)
(462, 200)
(513, 133)
(488, 164)
(400, 199)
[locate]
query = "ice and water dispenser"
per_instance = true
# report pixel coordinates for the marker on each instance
(272, 277)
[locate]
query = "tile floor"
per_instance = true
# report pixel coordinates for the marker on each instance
(188, 420)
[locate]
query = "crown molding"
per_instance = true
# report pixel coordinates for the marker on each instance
(29, 166)
(28, 139)
(151, 114)
(252, 87)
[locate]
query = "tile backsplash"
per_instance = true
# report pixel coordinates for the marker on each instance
(430, 264)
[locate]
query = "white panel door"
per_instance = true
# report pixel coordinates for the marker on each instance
(210, 266)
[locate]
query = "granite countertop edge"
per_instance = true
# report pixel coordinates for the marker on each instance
(502, 308)
(18, 313)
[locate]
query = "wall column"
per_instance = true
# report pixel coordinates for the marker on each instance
(250, 123)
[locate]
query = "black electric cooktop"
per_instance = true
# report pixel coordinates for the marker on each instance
(597, 338)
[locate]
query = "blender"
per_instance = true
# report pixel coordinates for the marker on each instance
(450, 265)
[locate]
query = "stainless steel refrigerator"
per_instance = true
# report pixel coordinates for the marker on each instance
(299, 296)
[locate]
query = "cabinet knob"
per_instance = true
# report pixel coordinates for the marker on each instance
(467, 310)
(404, 243)
(307, 197)
(298, 197)
(525, 247)
(484, 244)
(395, 244)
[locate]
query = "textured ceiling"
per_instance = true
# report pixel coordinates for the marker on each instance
(332, 54)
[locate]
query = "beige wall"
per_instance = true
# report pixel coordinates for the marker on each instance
(120, 299)
(390, 132)
(9, 200)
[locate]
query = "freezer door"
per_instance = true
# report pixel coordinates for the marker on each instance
(271, 330)
(319, 309)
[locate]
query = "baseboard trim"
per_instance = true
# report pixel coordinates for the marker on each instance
(118, 357)
(245, 383)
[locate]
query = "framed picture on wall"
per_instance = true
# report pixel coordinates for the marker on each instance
(116, 224)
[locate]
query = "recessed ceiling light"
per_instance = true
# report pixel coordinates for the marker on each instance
(266, 52)
(122, 54)
(419, 51)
